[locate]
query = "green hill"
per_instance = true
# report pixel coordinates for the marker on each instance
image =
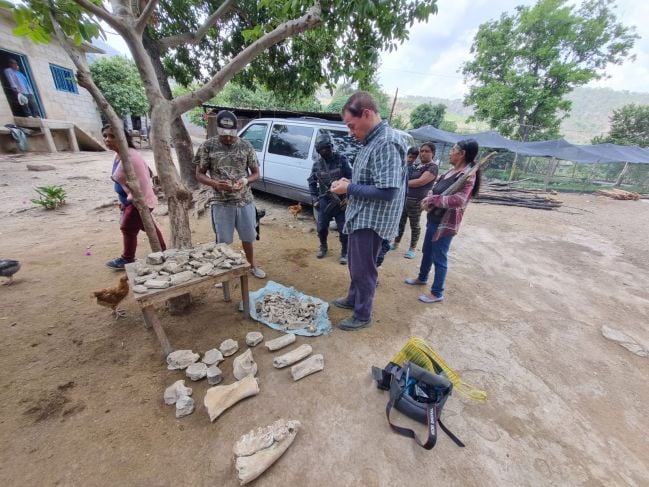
(591, 109)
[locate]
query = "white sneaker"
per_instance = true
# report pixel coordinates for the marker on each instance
(258, 272)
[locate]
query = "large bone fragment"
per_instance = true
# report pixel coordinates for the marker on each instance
(244, 365)
(293, 356)
(258, 449)
(280, 342)
(219, 398)
(309, 366)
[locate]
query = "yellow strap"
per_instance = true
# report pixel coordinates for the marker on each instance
(418, 352)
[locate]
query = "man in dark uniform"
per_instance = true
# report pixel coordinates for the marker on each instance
(329, 166)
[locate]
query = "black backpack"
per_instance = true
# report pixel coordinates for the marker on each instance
(420, 395)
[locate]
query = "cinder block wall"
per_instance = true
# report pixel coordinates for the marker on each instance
(79, 107)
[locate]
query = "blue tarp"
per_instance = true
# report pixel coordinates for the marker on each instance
(558, 148)
(322, 322)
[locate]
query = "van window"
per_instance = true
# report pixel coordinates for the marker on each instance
(256, 134)
(344, 143)
(290, 140)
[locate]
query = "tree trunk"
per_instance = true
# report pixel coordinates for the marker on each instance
(85, 80)
(182, 140)
(179, 198)
(620, 178)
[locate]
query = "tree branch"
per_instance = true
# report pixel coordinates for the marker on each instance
(308, 21)
(195, 37)
(85, 80)
(142, 20)
(100, 12)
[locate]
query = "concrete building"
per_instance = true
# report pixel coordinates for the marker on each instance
(62, 103)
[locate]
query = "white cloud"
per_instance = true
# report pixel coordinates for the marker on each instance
(429, 62)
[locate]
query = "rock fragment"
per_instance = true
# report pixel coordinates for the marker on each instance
(40, 167)
(184, 406)
(176, 390)
(181, 277)
(144, 278)
(172, 267)
(155, 258)
(229, 347)
(181, 359)
(205, 269)
(156, 284)
(254, 338)
(212, 357)
(214, 375)
(140, 289)
(196, 371)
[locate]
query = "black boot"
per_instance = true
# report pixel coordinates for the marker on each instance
(323, 251)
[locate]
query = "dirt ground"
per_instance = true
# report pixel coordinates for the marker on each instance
(528, 292)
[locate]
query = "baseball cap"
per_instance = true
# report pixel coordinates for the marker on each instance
(226, 123)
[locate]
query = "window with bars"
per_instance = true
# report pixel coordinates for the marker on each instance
(63, 79)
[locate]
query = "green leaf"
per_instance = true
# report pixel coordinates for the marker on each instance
(21, 30)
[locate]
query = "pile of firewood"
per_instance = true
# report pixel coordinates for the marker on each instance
(618, 194)
(496, 193)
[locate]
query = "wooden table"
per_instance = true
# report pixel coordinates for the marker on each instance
(147, 301)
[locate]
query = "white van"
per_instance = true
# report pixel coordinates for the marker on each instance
(285, 149)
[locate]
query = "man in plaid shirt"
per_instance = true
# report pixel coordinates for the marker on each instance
(376, 194)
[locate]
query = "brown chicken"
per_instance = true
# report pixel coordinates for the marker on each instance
(295, 210)
(110, 297)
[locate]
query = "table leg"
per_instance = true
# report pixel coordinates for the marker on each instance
(151, 318)
(226, 292)
(245, 296)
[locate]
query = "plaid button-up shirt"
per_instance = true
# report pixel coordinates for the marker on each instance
(381, 162)
(455, 205)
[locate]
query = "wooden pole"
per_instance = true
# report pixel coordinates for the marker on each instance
(453, 188)
(394, 102)
(620, 178)
(511, 174)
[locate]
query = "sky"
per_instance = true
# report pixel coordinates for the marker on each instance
(429, 63)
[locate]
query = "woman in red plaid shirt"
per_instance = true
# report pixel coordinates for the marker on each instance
(444, 218)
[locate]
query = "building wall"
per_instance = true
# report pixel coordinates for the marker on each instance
(79, 107)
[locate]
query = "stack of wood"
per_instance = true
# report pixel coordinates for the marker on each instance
(497, 193)
(618, 194)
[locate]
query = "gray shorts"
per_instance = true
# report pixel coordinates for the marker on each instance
(227, 218)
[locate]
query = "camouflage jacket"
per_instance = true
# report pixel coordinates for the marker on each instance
(229, 163)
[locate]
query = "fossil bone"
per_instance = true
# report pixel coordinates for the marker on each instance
(212, 357)
(229, 347)
(280, 342)
(293, 356)
(219, 398)
(176, 390)
(244, 365)
(181, 359)
(254, 338)
(258, 449)
(307, 367)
